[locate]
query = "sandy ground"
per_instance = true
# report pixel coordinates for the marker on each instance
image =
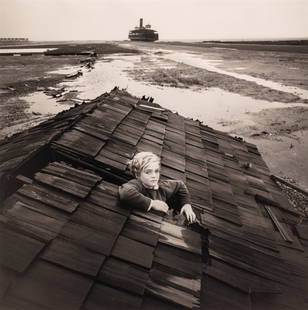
(280, 134)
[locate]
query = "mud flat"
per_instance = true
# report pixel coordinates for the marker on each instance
(23, 79)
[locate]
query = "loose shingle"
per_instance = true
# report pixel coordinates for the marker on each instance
(81, 143)
(103, 297)
(18, 251)
(73, 257)
(129, 250)
(65, 185)
(124, 276)
(49, 197)
(52, 287)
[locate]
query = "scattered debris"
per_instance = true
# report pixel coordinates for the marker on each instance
(247, 165)
(296, 195)
(74, 75)
(53, 92)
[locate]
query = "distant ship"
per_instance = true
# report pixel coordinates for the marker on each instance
(143, 33)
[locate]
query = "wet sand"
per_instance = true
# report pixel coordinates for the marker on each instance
(274, 120)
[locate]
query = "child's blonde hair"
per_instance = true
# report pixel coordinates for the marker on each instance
(140, 161)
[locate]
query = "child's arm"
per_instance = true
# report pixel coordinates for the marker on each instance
(182, 196)
(131, 195)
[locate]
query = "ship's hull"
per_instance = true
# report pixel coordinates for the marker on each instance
(141, 35)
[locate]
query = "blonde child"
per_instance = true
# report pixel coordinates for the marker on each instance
(146, 192)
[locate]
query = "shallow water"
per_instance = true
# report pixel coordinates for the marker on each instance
(215, 107)
(210, 65)
(43, 104)
(24, 50)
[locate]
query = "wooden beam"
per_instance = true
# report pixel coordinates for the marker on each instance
(284, 233)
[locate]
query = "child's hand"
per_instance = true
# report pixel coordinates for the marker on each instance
(189, 213)
(160, 206)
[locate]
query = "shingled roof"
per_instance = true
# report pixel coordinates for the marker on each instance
(67, 243)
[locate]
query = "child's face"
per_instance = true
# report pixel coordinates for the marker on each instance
(149, 176)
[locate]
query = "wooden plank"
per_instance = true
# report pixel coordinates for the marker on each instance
(251, 259)
(110, 162)
(120, 148)
(106, 123)
(74, 257)
(180, 237)
(21, 212)
(199, 168)
(124, 276)
(99, 218)
(8, 278)
(49, 197)
(217, 296)
(149, 146)
(302, 230)
(105, 200)
(153, 138)
(182, 262)
(67, 186)
(178, 138)
(127, 137)
(81, 142)
(239, 234)
(18, 251)
(89, 238)
(103, 297)
(149, 215)
(52, 287)
(92, 129)
(280, 226)
(129, 250)
(172, 173)
(156, 126)
(141, 229)
(174, 147)
(109, 113)
(30, 229)
(240, 279)
(167, 277)
(109, 154)
(195, 152)
(139, 115)
(154, 133)
(38, 207)
(108, 188)
(173, 295)
(65, 171)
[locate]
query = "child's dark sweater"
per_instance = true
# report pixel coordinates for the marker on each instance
(135, 195)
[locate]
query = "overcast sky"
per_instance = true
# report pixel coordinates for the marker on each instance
(173, 19)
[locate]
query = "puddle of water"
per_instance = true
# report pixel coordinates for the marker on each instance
(213, 106)
(43, 104)
(199, 62)
(24, 50)
(65, 70)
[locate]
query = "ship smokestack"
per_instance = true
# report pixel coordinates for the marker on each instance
(141, 23)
